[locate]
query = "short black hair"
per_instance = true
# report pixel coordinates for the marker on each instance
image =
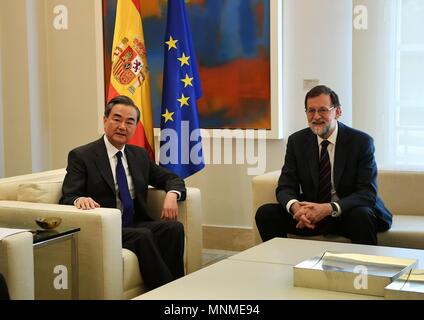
(126, 101)
(319, 90)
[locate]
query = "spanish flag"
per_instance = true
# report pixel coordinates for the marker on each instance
(130, 73)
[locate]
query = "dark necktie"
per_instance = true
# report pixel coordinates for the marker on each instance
(124, 193)
(324, 191)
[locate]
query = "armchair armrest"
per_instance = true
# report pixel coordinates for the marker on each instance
(17, 265)
(99, 243)
(190, 215)
(263, 191)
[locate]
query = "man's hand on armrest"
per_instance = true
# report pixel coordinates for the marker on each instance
(85, 203)
(170, 207)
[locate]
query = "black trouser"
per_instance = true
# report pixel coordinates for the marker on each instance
(4, 292)
(358, 224)
(159, 247)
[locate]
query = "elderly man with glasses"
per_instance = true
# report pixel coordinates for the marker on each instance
(328, 182)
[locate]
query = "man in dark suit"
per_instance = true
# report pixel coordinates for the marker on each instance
(4, 292)
(110, 173)
(328, 182)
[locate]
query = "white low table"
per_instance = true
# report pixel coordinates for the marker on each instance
(265, 272)
(293, 251)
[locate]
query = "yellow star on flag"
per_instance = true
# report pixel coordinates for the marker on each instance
(171, 43)
(187, 81)
(183, 101)
(168, 116)
(184, 60)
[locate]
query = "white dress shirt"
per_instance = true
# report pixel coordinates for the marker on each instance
(113, 161)
(111, 153)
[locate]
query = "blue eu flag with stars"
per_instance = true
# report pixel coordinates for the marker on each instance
(181, 144)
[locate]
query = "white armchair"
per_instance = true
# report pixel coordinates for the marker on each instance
(17, 265)
(106, 270)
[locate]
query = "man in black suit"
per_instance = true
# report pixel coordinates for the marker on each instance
(328, 182)
(94, 179)
(4, 292)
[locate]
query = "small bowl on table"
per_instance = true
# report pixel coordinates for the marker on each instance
(48, 223)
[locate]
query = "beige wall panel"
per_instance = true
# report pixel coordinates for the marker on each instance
(16, 129)
(73, 85)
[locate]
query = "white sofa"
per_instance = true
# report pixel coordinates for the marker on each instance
(106, 270)
(16, 251)
(401, 192)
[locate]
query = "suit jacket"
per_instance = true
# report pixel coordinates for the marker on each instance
(4, 292)
(89, 175)
(355, 172)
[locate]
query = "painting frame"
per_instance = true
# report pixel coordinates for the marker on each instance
(277, 81)
(276, 75)
(276, 72)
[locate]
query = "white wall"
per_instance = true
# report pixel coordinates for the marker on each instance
(372, 53)
(316, 45)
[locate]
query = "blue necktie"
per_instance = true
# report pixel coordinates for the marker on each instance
(324, 189)
(124, 193)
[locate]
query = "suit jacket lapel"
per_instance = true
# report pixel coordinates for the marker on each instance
(103, 164)
(340, 155)
(135, 167)
(311, 147)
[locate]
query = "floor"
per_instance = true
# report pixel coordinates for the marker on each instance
(210, 256)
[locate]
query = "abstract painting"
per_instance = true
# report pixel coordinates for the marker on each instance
(232, 44)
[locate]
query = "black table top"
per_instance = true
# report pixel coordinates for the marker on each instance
(39, 234)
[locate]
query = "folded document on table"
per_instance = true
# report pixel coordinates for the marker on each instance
(351, 272)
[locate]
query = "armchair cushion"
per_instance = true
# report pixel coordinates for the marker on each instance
(40, 192)
(9, 186)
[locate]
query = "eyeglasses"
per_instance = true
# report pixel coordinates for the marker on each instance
(321, 111)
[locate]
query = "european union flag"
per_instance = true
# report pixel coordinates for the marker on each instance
(181, 145)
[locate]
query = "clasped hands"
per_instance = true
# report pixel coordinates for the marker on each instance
(308, 214)
(169, 210)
